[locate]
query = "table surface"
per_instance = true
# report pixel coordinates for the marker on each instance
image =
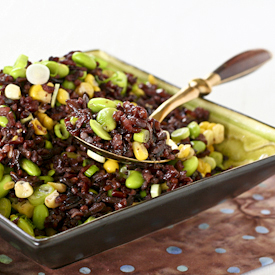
(234, 237)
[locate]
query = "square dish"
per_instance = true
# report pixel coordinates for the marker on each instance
(249, 144)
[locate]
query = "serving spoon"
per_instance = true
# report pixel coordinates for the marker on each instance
(236, 67)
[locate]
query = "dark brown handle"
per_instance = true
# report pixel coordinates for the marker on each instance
(242, 64)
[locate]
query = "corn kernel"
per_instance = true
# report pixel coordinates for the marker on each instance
(152, 79)
(209, 135)
(204, 167)
(37, 93)
(172, 144)
(60, 187)
(204, 124)
(50, 200)
(62, 96)
(96, 89)
(184, 151)
(45, 120)
(218, 131)
(91, 79)
(111, 166)
(211, 148)
(24, 207)
(9, 185)
(38, 128)
(13, 92)
(14, 138)
(50, 84)
(134, 103)
(211, 125)
(85, 87)
(140, 151)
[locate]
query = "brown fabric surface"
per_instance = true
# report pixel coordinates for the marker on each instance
(234, 237)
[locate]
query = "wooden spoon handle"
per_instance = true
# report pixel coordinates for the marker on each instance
(242, 64)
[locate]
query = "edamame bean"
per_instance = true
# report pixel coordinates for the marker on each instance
(3, 121)
(109, 193)
(194, 129)
(190, 165)
(99, 103)
(24, 223)
(179, 134)
(40, 193)
(30, 167)
(68, 84)
(53, 67)
(120, 79)
(217, 156)
(198, 146)
(123, 171)
(40, 213)
(46, 179)
(105, 119)
(2, 169)
(48, 144)
(5, 207)
(143, 136)
(7, 69)
(116, 101)
(61, 131)
(143, 194)
(84, 60)
(102, 63)
(90, 219)
(135, 180)
(18, 72)
(5, 179)
(99, 131)
(91, 170)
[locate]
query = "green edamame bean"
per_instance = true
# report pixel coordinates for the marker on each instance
(90, 219)
(40, 213)
(91, 170)
(102, 63)
(99, 131)
(2, 169)
(116, 101)
(179, 134)
(217, 156)
(40, 193)
(143, 136)
(7, 69)
(109, 193)
(84, 59)
(143, 194)
(123, 171)
(46, 179)
(5, 207)
(51, 173)
(99, 103)
(120, 79)
(5, 179)
(198, 146)
(21, 61)
(3, 121)
(63, 70)
(24, 223)
(190, 165)
(48, 144)
(30, 167)
(53, 67)
(194, 129)
(105, 119)
(68, 84)
(135, 180)
(83, 76)
(18, 72)
(61, 131)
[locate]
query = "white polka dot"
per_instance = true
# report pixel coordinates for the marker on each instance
(41, 273)
(182, 268)
(85, 270)
(258, 197)
(261, 230)
(265, 212)
(227, 210)
(203, 226)
(248, 237)
(127, 268)
(173, 250)
(220, 250)
(233, 269)
(170, 226)
(266, 261)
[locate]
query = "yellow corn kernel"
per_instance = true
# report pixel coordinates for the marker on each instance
(218, 132)
(91, 79)
(24, 207)
(172, 144)
(96, 89)
(60, 187)
(8, 185)
(111, 166)
(211, 148)
(184, 151)
(140, 151)
(204, 167)
(37, 93)
(204, 124)
(50, 200)
(38, 128)
(209, 135)
(50, 84)
(62, 96)
(152, 79)
(14, 138)
(45, 120)
(210, 126)
(134, 103)
(85, 87)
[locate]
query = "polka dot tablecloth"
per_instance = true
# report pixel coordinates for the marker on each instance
(234, 237)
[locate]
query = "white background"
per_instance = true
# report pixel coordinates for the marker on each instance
(175, 40)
